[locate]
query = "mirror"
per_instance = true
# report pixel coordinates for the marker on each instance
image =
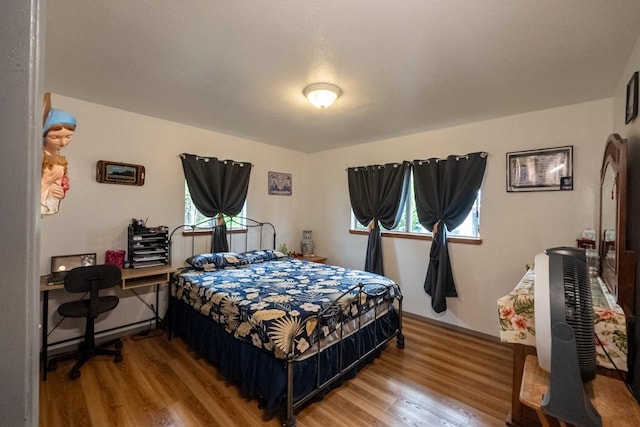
(616, 263)
(608, 216)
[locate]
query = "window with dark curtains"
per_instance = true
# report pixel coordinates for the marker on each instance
(445, 191)
(378, 194)
(217, 187)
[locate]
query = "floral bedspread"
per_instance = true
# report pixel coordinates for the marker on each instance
(517, 322)
(267, 303)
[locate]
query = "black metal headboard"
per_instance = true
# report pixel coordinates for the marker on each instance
(247, 224)
(203, 229)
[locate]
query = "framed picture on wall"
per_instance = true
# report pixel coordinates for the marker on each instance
(632, 99)
(547, 169)
(119, 173)
(279, 184)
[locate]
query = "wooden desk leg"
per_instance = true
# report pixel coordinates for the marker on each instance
(45, 330)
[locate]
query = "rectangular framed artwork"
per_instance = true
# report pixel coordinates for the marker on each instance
(547, 169)
(119, 173)
(279, 184)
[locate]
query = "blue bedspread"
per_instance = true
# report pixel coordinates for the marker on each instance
(275, 304)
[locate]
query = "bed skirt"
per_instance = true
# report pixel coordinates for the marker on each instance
(261, 376)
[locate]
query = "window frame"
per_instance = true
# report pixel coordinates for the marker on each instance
(205, 227)
(358, 229)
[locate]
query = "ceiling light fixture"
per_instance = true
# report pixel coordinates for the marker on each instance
(322, 95)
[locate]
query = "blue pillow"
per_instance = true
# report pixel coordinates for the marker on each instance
(217, 260)
(262, 255)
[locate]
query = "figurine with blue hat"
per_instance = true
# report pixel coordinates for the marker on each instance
(57, 130)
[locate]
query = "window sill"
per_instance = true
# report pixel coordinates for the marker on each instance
(415, 236)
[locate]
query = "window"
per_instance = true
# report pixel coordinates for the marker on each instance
(409, 223)
(193, 215)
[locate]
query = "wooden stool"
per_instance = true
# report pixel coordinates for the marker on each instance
(609, 396)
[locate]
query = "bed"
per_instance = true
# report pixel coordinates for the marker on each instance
(283, 330)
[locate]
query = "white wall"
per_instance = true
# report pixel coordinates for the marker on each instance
(620, 96)
(94, 217)
(514, 226)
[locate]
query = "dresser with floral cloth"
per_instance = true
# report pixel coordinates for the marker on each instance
(517, 326)
(517, 323)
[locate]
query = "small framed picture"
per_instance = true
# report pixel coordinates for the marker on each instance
(632, 99)
(119, 173)
(279, 184)
(566, 183)
(547, 169)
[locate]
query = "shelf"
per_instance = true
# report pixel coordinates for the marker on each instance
(151, 257)
(149, 251)
(147, 247)
(152, 275)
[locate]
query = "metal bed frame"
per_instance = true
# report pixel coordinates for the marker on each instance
(246, 224)
(331, 313)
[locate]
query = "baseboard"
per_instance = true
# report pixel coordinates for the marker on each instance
(453, 327)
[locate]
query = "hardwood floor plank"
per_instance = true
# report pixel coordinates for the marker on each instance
(442, 377)
(416, 414)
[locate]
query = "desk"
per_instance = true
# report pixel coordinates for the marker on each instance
(609, 396)
(131, 279)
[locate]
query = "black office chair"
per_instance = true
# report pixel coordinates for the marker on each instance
(90, 279)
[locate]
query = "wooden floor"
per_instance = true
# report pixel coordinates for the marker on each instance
(442, 377)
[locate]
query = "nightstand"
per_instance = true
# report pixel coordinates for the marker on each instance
(314, 258)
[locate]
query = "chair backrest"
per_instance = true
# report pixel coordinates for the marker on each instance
(80, 279)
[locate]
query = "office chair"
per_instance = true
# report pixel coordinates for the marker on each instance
(90, 279)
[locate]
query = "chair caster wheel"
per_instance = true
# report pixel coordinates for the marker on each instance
(52, 366)
(75, 374)
(118, 358)
(118, 344)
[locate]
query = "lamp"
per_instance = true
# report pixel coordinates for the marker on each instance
(322, 95)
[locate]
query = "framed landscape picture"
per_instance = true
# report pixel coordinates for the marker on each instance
(119, 173)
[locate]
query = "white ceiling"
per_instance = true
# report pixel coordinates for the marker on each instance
(405, 66)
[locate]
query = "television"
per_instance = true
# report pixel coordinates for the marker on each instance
(565, 338)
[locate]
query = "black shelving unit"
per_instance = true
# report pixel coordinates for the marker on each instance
(147, 246)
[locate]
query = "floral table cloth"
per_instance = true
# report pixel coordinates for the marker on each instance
(517, 322)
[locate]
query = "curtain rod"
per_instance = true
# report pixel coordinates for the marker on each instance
(395, 165)
(483, 154)
(206, 159)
